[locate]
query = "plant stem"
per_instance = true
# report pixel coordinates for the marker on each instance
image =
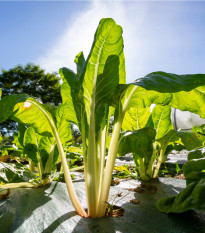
(101, 159)
(113, 148)
(68, 180)
(141, 170)
(32, 166)
(150, 168)
(91, 166)
(20, 185)
(109, 168)
(83, 135)
(158, 164)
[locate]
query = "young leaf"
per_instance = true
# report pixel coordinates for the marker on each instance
(167, 139)
(107, 51)
(80, 62)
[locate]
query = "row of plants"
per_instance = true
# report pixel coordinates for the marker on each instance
(93, 94)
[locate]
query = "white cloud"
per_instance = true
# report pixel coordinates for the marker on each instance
(78, 36)
(157, 36)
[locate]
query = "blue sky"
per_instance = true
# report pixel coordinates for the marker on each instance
(168, 36)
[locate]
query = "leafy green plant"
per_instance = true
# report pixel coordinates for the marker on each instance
(12, 174)
(153, 143)
(192, 197)
(93, 94)
(41, 151)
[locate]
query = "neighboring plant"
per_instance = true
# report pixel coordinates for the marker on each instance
(93, 94)
(192, 197)
(154, 141)
(12, 174)
(41, 150)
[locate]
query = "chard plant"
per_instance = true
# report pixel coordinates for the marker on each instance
(192, 197)
(150, 136)
(90, 96)
(40, 150)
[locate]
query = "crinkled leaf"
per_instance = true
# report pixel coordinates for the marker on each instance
(194, 170)
(192, 197)
(197, 154)
(14, 173)
(191, 140)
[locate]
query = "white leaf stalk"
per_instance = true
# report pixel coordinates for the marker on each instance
(113, 148)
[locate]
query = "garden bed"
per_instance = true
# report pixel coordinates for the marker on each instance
(48, 209)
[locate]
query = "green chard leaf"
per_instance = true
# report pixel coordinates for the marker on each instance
(139, 143)
(63, 126)
(47, 151)
(31, 147)
(184, 92)
(161, 120)
(191, 140)
(170, 83)
(192, 197)
(80, 62)
(105, 67)
(14, 173)
(197, 154)
(168, 138)
(69, 92)
(19, 109)
(194, 170)
(135, 118)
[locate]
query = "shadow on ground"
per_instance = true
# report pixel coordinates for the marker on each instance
(49, 210)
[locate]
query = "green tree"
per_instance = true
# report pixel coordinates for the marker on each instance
(29, 79)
